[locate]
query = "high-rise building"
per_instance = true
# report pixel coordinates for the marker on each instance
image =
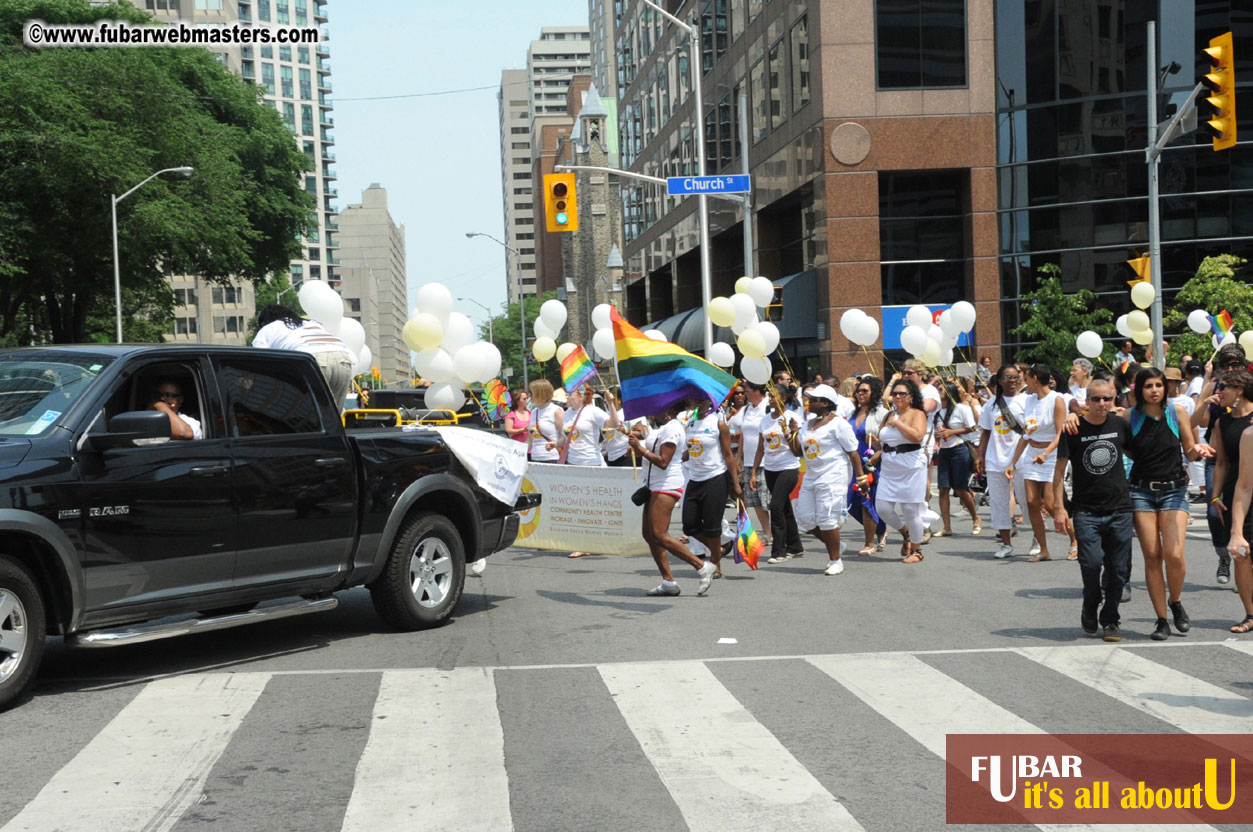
(528, 99)
(374, 284)
(296, 82)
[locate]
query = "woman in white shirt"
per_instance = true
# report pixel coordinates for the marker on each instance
(711, 470)
(774, 434)
(953, 423)
(582, 426)
(664, 480)
(901, 496)
(280, 328)
(831, 464)
(1002, 422)
(1045, 413)
(547, 423)
(616, 445)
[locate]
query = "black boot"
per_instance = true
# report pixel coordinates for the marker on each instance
(1182, 624)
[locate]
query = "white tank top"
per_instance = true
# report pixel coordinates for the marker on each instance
(1040, 425)
(704, 448)
(543, 431)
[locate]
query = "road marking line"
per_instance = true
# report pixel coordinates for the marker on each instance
(435, 758)
(1184, 701)
(723, 768)
(149, 764)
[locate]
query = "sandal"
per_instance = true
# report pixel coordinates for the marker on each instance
(1244, 626)
(880, 546)
(866, 551)
(941, 533)
(914, 557)
(577, 554)
(977, 529)
(1038, 558)
(1073, 554)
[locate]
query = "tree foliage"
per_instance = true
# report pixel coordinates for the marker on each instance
(77, 125)
(1215, 287)
(504, 334)
(1054, 319)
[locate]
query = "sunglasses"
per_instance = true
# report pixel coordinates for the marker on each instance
(1100, 398)
(900, 392)
(1220, 386)
(167, 395)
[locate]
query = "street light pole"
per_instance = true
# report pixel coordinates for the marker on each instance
(117, 270)
(521, 298)
(490, 336)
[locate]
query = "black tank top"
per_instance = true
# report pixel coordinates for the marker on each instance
(1157, 452)
(1229, 428)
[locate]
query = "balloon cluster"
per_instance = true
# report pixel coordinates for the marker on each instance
(1199, 321)
(324, 305)
(859, 327)
(755, 338)
(449, 354)
(552, 317)
(1136, 324)
(931, 338)
(603, 340)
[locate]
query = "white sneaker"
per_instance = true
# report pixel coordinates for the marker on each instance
(1006, 551)
(1035, 548)
(835, 567)
(477, 567)
(706, 573)
(664, 589)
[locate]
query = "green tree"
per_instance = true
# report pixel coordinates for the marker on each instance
(504, 334)
(77, 125)
(1215, 287)
(1055, 319)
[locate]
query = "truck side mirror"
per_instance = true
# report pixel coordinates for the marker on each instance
(137, 427)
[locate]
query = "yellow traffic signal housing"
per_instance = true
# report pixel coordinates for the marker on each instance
(1142, 266)
(561, 204)
(1222, 81)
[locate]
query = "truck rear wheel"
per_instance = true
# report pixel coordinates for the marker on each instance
(424, 575)
(22, 629)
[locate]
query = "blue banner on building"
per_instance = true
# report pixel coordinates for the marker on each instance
(894, 324)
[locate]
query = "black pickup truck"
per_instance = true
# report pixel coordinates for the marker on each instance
(113, 533)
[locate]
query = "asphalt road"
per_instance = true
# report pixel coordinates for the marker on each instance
(560, 697)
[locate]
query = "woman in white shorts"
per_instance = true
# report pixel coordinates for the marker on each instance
(1045, 413)
(831, 461)
(901, 496)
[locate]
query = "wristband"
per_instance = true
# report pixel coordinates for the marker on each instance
(1216, 500)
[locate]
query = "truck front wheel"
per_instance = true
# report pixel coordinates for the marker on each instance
(22, 629)
(424, 575)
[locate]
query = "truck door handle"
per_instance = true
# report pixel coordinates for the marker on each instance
(208, 470)
(330, 462)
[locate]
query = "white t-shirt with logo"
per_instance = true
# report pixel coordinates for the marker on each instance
(669, 478)
(776, 455)
(826, 448)
(585, 435)
(963, 417)
(1002, 441)
(704, 448)
(543, 431)
(751, 418)
(616, 442)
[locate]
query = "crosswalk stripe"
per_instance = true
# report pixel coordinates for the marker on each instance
(724, 769)
(1184, 701)
(435, 757)
(149, 764)
(1240, 646)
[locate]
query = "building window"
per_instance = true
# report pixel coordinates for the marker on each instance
(185, 326)
(920, 43)
(267, 52)
(285, 74)
(297, 274)
(800, 63)
(228, 324)
(289, 115)
(524, 175)
(184, 297)
(227, 294)
(306, 119)
(776, 57)
(263, 9)
(267, 77)
(519, 131)
(524, 235)
(315, 272)
(315, 253)
(760, 101)
(922, 233)
(306, 84)
(302, 54)
(205, 5)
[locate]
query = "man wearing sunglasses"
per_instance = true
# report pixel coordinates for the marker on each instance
(1101, 507)
(1205, 417)
(168, 398)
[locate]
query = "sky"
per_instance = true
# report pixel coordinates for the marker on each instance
(437, 156)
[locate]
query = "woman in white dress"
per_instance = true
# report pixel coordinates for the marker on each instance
(1044, 412)
(901, 496)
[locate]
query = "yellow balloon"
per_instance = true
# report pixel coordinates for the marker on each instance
(543, 349)
(1137, 321)
(721, 311)
(752, 343)
(425, 330)
(741, 285)
(1142, 295)
(564, 350)
(1142, 336)
(1246, 341)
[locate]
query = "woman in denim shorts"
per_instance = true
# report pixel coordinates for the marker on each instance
(1159, 493)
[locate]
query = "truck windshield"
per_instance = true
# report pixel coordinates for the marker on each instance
(38, 387)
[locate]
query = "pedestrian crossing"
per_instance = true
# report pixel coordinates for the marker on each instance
(847, 741)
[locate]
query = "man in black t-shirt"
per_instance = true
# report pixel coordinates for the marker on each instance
(1101, 506)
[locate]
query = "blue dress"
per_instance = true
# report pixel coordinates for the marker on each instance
(856, 501)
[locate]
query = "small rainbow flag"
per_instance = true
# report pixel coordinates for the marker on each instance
(748, 546)
(576, 370)
(496, 399)
(1221, 323)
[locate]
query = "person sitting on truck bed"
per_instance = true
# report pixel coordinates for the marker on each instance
(282, 329)
(168, 398)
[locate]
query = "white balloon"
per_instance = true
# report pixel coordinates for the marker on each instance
(756, 370)
(752, 344)
(964, 315)
(745, 309)
(931, 355)
(919, 316)
(491, 360)
(444, 397)
(364, 360)
(602, 316)
(435, 299)
(1198, 321)
(1246, 341)
(603, 343)
(948, 324)
(459, 332)
(434, 365)
(946, 357)
(761, 290)
(1124, 329)
(1089, 344)
(322, 303)
(720, 353)
(352, 333)
(913, 340)
(468, 363)
(948, 342)
(739, 326)
(867, 331)
(934, 333)
(770, 333)
(553, 313)
(655, 334)
(543, 330)
(1142, 295)
(564, 350)
(849, 322)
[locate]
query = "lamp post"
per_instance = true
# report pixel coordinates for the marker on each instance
(490, 336)
(117, 271)
(521, 298)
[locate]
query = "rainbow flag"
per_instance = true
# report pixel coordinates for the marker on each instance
(748, 546)
(576, 370)
(1221, 323)
(656, 374)
(496, 399)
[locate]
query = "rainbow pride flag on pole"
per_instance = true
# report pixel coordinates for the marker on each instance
(656, 374)
(577, 370)
(748, 546)
(1221, 323)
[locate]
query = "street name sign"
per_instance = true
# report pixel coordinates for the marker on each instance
(690, 185)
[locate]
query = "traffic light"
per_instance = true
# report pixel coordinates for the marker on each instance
(1142, 267)
(375, 374)
(561, 204)
(1222, 82)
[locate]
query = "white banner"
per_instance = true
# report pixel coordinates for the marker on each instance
(584, 510)
(497, 463)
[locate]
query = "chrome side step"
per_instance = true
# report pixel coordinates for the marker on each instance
(152, 631)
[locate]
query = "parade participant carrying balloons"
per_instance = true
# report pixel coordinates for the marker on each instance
(547, 423)
(831, 459)
(709, 459)
(903, 467)
(1002, 422)
(664, 480)
(1045, 413)
(782, 470)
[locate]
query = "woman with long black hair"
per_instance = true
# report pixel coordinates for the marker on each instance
(782, 470)
(868, 414)
(901, 495)
(954, 421)
(711, 470)
(1234, 479)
